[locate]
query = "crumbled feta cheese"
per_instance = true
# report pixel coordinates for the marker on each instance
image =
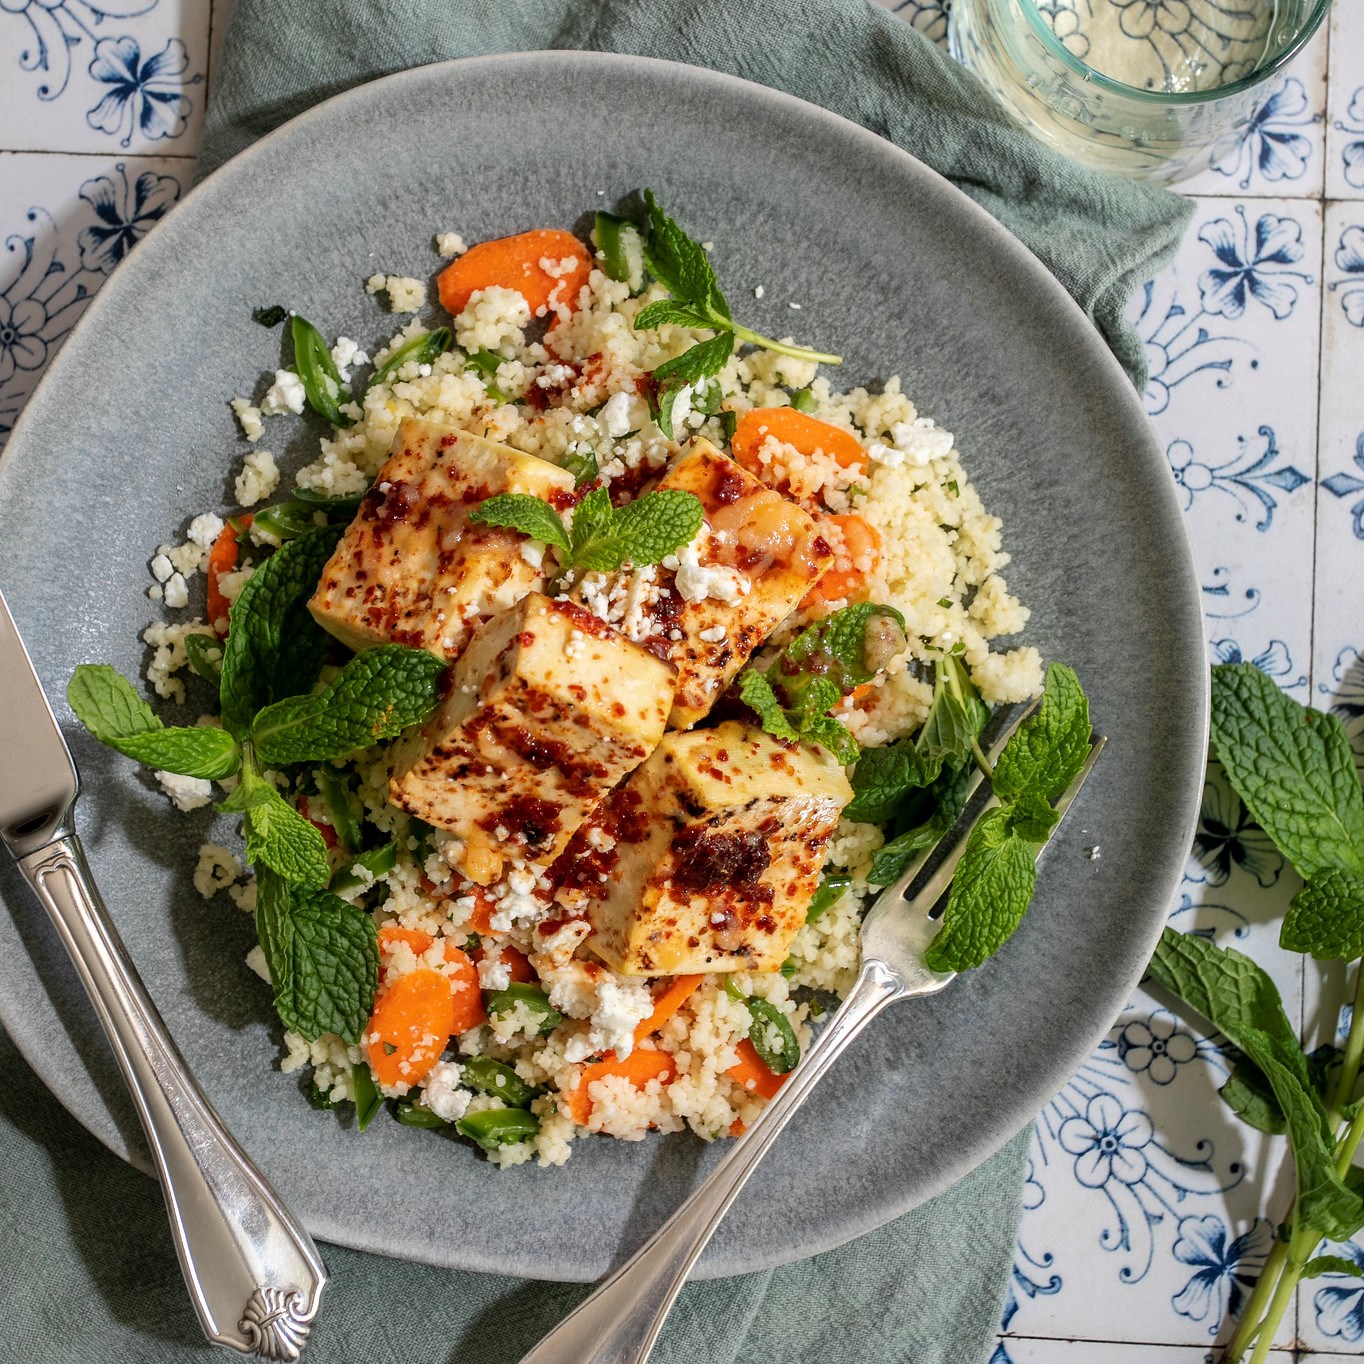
(258, 478)
(450, 244)
(286, 394)
(255, 959)
(620, 1005)
(554, 375)
(187, 793)
(442, 1094)
(533, 553)
(176, 591)
(713, 635)
(917, 442)
(682, 406)
(161, 568)
(347, 353)
(759, 291)
(696, 581)
(204, 530)
(615, 415)
(248, 418)
(493, 972)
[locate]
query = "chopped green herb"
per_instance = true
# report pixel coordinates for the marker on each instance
(804, 401)
(205, 654)
(831, 891)
(269, 317)
(376, 862)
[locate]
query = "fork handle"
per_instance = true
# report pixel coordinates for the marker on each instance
(253, 1273)
(620, 1322)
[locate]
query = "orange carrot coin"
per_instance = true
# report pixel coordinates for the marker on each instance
(413, 1019)
(222, 558)
(847, 579)
(753, 1073)
(666, 1003)
(640, 1067)
(519, 263)
(795, 428)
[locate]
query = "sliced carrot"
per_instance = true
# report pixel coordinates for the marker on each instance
(845, 581)
(413, 1019)
(390, 934)
(738, 1127)
(792, 427)
(468, 999)
(326, 830)
(753, 1073)
(522, 972)
(640, 1067)
(481, 916)
(514, 263)
(222, 558)
(666, 1003)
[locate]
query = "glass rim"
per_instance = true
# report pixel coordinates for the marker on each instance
(1180, 97)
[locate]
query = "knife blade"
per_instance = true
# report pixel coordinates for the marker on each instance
(38, 784)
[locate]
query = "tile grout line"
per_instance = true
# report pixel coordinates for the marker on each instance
(100, 156)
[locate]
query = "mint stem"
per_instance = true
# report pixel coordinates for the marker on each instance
(783, 348)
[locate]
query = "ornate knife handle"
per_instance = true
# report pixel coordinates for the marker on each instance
(253, 1273)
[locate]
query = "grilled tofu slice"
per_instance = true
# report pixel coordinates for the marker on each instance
(707, 608)
(548, 709)
(410, 569)
(706, 859)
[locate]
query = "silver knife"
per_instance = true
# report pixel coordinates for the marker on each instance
(253, 1272)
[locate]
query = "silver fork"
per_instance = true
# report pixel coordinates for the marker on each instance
(621, 1321)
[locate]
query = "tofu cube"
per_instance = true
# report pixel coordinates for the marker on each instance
(410, 569)
(706, 859)
(711, 605)
(547, 710)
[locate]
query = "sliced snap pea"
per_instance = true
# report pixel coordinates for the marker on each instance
(336, 797)
(789, 967)
(337, 508)
(830, 891)
(504, 1001)
(804, 401)
(496, 1127)
(318, 1099)
(422, 349)
(486, 363)
(285, 520)
(412, 1114)
(368, 1100)
(773, 1037)
(498, 1079)
(205, 654)
(316, 368)
(377, 862)
(622, 250)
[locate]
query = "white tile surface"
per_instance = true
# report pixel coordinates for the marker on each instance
(1147, 1201)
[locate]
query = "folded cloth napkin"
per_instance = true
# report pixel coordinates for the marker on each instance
(100, 1280)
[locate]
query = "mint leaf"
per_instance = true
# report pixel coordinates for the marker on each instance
(956, 716)
(700, 362)
(1240, 999)
(884, 776)
(1331, 1264)
(323, 956)
(205, 654)
(1050, 747)
(583, 467)
(833, 735)
(755, 691)
(681, 265)
(946, 800)
(106, 704)
(277, 836)
(1326, 917)
(989, 896)
(641, 532)
(667, 311)
(1032, 818)
(1293, 768)
(377, 695)
(520, 511)
(316, 368)
(1248, 1095)
(592, 518)
(274, 648)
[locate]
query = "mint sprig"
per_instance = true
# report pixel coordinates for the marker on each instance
(277, 836)
(602, 538)
(322, 954)
(682, 266)
(1293, 769)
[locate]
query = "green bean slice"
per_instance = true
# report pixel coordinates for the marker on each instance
(316, 368)
(498, 1079)
(495, 1127)
(368, 1100)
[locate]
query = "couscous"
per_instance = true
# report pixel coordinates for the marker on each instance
(621, 909)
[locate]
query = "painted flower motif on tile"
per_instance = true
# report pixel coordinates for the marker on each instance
(1064, 22)
(58, 27)
(928, 16)
(1254, 264)
(1346, 485)
(1156, 1047)
(1108, 1142)
(1248, 473)
(1224, 1270)
(1275, 661)
(1207, 919)
(1141, 18)
(1346, 690)
(1349, 257)
(1221, 603)
(1352, 153)
(1179, 343)
(145, 97)
(1339, 1307)
(21, 336)
(1227, 837)
(1273, 145)
(124, 212)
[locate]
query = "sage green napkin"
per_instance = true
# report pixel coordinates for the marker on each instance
(91, 1273)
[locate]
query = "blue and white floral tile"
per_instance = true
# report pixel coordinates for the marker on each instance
(1345, 107)
(1022, 1351)
(928, 16)
(1231, 331)
(103, 76)
(65, 223)
(1340, 493)
(1283, 150)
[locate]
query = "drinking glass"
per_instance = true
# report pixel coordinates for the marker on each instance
(1150, 88)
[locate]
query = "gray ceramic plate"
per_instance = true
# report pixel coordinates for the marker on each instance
(130, 434)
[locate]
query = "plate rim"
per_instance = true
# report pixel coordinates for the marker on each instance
(1066, 1059)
